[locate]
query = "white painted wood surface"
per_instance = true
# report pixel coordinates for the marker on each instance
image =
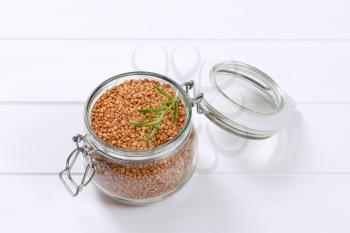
(225, 203)
(177, 19)
(310, 71)
(53, 53)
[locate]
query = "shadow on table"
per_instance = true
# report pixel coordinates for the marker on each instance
(278, 154)
(202, 205)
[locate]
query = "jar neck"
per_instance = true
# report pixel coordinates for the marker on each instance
(155, 153)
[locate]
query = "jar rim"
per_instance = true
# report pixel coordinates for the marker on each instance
(270, 85)
(155, 153)
(237, 118)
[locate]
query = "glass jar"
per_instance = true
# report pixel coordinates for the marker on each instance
(145, 176)
(140, 176)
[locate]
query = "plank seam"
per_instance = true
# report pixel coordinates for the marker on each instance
(83, 102)
(172, 39)
(213, 174)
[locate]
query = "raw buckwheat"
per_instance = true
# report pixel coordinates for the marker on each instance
(111, 117)
(144, 180)
(113, 111)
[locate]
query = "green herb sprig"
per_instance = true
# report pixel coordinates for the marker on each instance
(170, 105)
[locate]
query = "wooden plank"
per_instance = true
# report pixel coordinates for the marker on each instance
(176, 19)
(228, 203)
(37, 138)
(70, 70)
(37, 135)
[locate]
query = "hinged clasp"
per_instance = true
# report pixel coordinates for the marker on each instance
(81, 147)
(197, 96)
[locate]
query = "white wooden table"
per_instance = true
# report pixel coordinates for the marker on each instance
(53, 53)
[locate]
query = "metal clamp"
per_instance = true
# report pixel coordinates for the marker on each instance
(197, 96)
(85, 150)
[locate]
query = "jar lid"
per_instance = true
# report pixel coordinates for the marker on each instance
(244, 100)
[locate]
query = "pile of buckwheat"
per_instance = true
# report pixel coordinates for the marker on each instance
(144, 180)
(117, 118)
(120, 105)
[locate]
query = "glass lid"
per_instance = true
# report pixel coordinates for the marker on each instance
(244, 100)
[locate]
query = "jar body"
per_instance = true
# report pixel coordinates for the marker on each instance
(143, 182)
(134, 177)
